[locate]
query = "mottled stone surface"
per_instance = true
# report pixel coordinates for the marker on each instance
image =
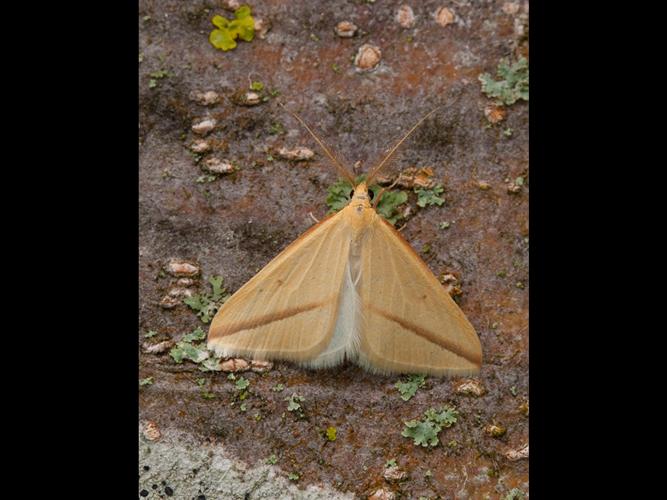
(233, 225)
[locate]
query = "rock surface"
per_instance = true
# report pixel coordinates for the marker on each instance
(234, 225)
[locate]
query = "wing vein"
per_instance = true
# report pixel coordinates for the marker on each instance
(270, 318)
(425, 334)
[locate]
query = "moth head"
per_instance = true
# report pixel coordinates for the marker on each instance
(361, 192)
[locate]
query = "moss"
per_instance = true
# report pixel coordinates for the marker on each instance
(243, 27)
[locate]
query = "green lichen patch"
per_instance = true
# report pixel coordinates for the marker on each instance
(428, 197)
(206, 305)
(515, 494)
(242, 392)
(261, 90)
(340, 193)
(192, 348)
(210, 364)
(389, 203)
(512, 84)
(242, 26)
(294, 405)
(196, 335)
(155, 77)
(331, 433)
(425, 432)
(184, 350)
(408, 388)
(205, 179)
(242, 384)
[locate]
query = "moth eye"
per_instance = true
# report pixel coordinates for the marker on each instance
(351, 193)
(371, 195)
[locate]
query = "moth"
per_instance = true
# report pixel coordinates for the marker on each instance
(349, 288)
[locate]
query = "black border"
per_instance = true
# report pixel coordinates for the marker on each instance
(80, 176)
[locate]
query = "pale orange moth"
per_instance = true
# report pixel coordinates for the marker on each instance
(350, 288)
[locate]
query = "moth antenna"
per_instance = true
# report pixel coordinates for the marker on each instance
(341, 169)
(393, 150)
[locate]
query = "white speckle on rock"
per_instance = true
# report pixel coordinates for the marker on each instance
(205, 126)
(462, 495)
(346, 29)
(260, 366)
(200, 146)
(182, 268)
(234, 365)
(405, 16)
(412, 177)
(179, 292)
(368, 57)
(158, 348)
(513, 188)
(251, 99)
(470, 387)
(489, 26)
(298, 153)
(169, 302)
(495, 430)
(482, 476)
(382, 494)
(444, 16)
(517, 454)
(466, 59)
(262, 27)
(495, 113)
(207, 98)
(230, 5)
(174, 297)
(395, 473)
(217, 166)
(219, 474)
(151, 431)
(511, 8)
(451, 283)
(519, 27)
